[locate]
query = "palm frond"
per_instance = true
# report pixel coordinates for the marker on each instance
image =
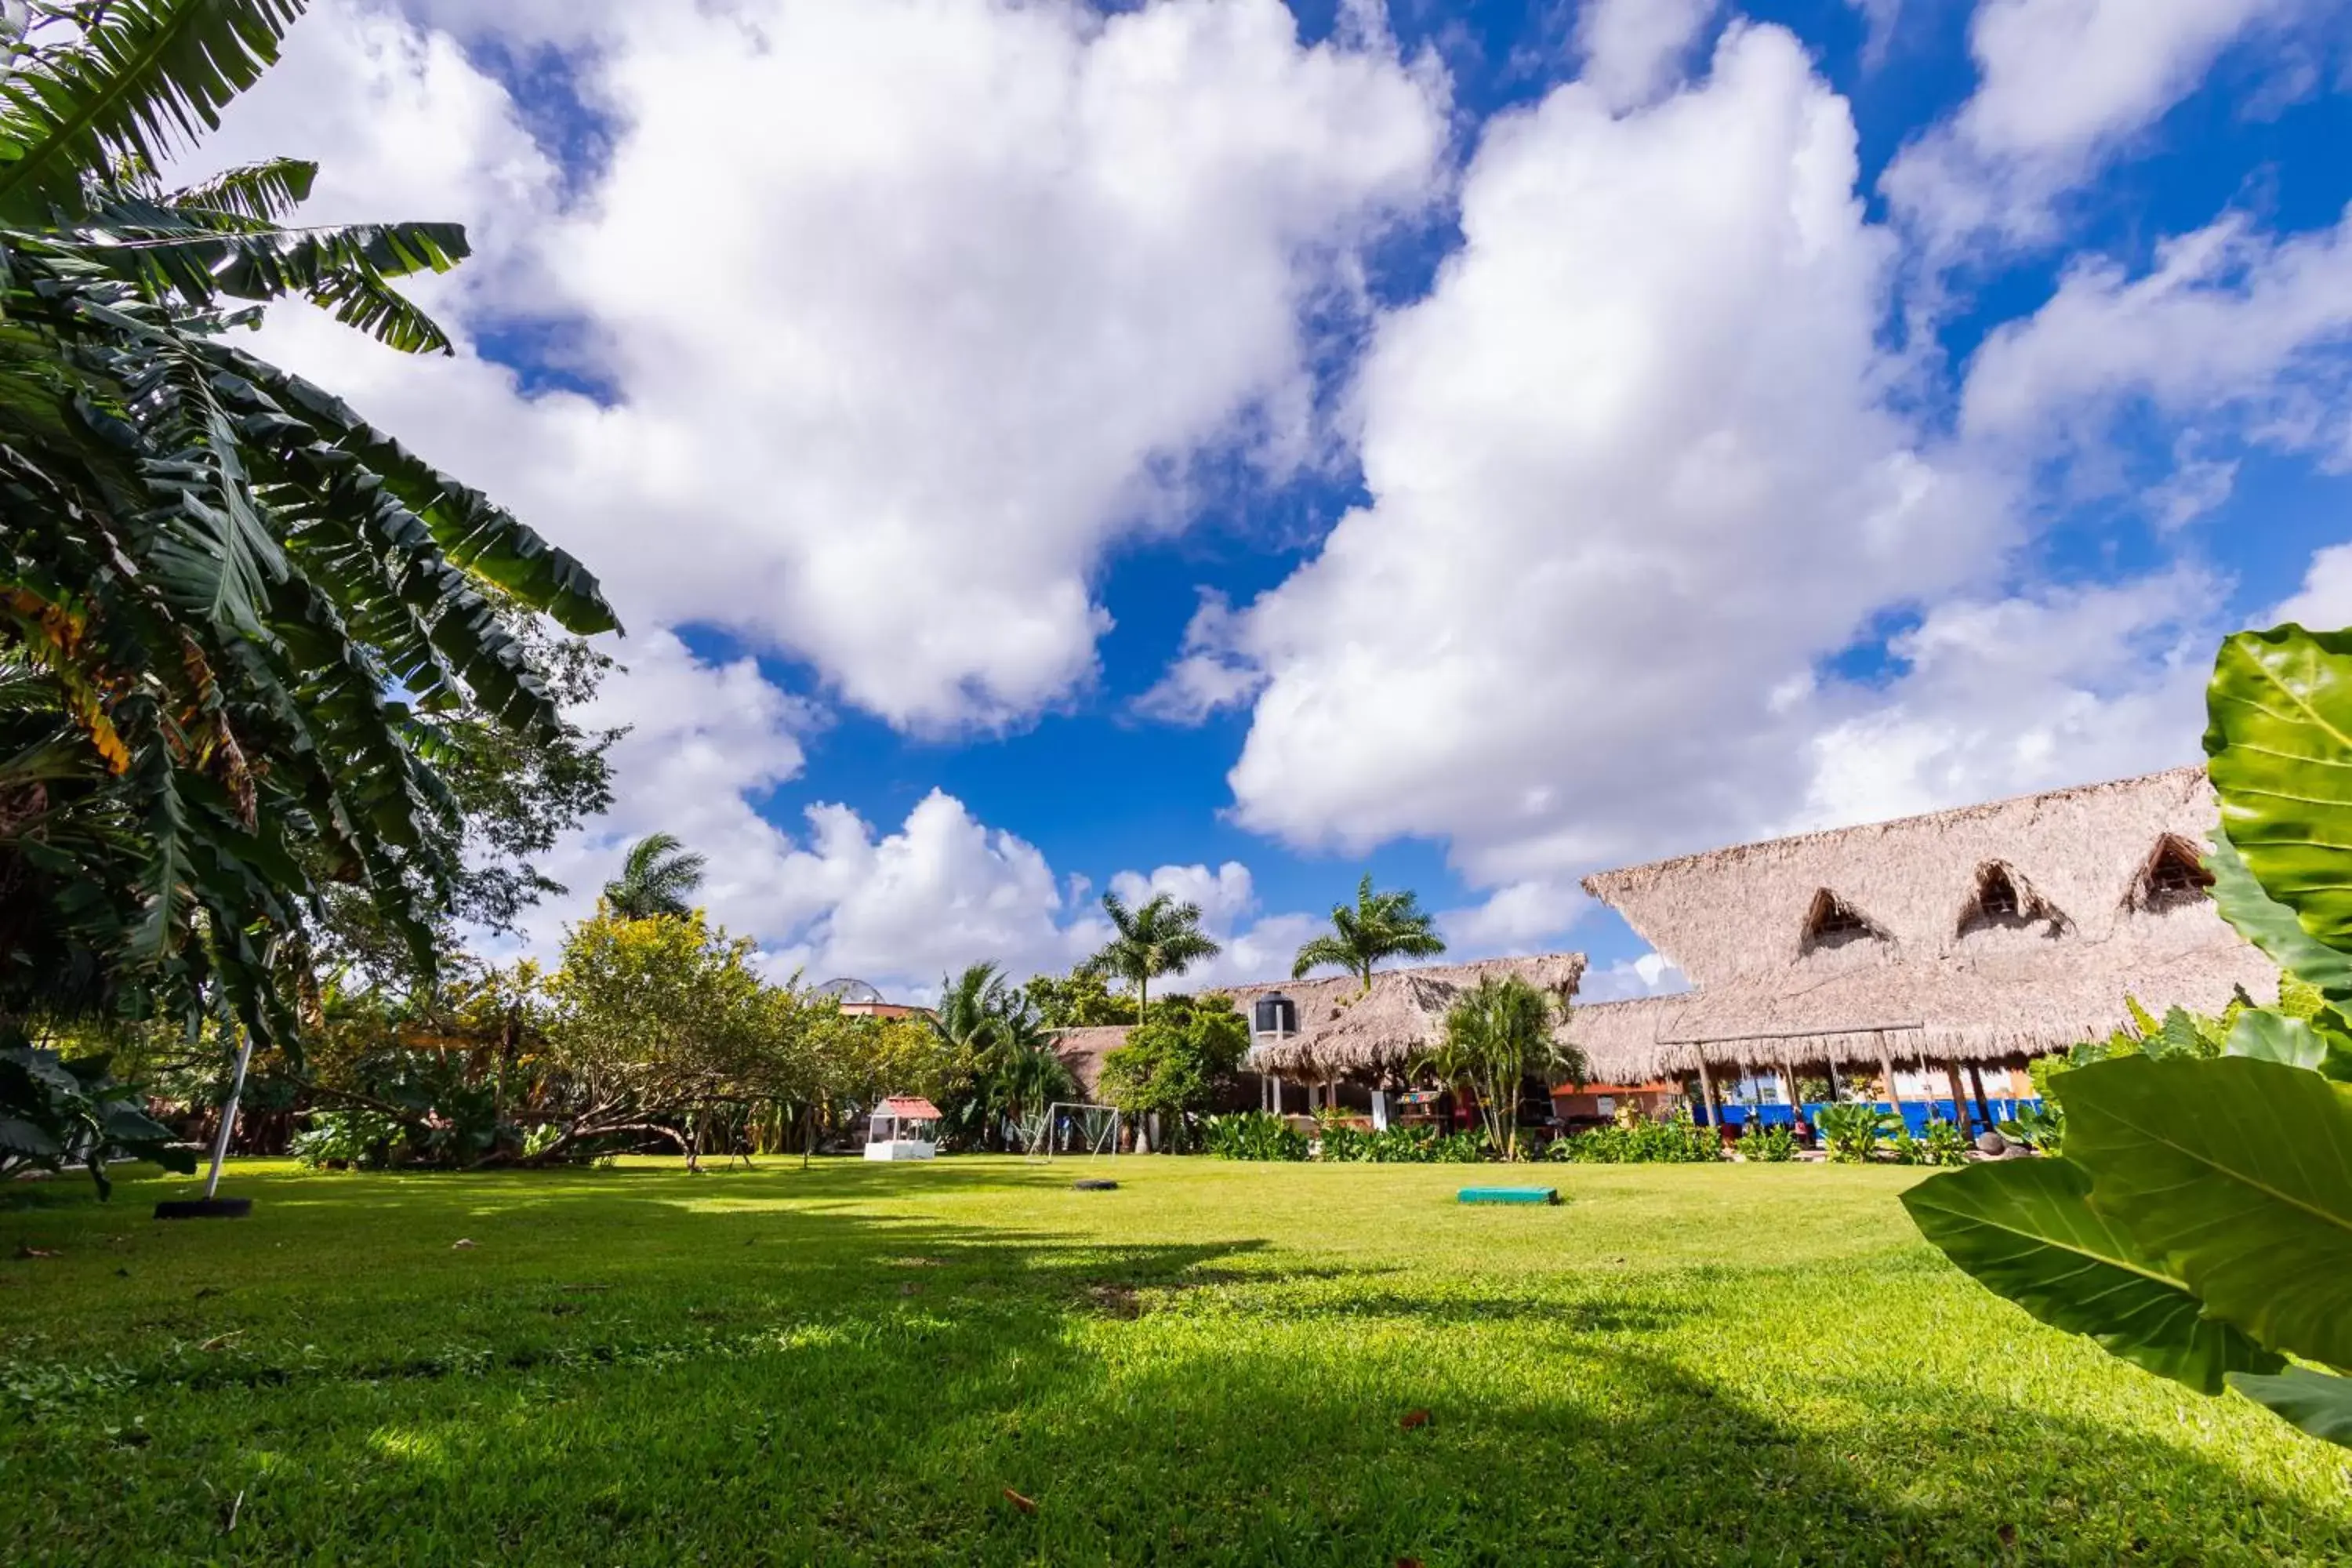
(472, 532)
(144, 81)
(267, 192)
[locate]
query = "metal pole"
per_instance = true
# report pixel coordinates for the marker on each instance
(228, 1114)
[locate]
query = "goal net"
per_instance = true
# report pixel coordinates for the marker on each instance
(1070, 1127)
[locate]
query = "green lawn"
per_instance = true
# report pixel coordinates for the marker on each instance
(1213, 1365)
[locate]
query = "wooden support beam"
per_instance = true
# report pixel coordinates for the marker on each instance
(1959, 1096)
(1894, 1086)
(1706, 1095)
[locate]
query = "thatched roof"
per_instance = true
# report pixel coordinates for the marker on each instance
(1082, 1051)
(1343, 1030)
(1804, 950)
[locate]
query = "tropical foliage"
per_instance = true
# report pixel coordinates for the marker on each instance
(1497, 1036)
(1011, 1074)
(1380, 926)
(240, 628)
(2199, 1220)
(1852, 1132)
(1079, 1000)
(54, 1112)
(1638, 1140)
(1255, 1135)
(1176, 1064)
(658, 877)
(1160, 936)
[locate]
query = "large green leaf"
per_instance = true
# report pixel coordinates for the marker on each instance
(2318, 1402)
(2271, 926)
(2026, 1230)
(2278, 738)
(141, 82)
(476, 534)
(2265, 1036)
(2238, 1174)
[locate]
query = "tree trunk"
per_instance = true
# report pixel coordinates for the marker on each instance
(1959, 1096)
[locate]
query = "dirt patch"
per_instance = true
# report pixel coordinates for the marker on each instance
(1116, 1300)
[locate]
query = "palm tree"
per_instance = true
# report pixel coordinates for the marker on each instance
(1158, 937)
(1498, 1034)
(1381, 925)
(1014, 1069)
(658, 878)
(237, 617)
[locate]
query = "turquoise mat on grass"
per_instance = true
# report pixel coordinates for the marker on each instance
(1510, 1195)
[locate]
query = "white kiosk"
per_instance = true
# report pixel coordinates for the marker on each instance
(903, 1127)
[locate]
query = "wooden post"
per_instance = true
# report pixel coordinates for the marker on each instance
(1959, 1096)
(1984, 1107)
(1833, 1080)
(1789, 1082)
(1893, 1090)
(1706, 1096)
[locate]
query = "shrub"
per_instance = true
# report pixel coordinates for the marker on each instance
(349, 1140)
(1945, 1144)
(1851, 1132)
(1253, 1135)
(2037, 1127)
(1771, 1145)
(1676, 1141)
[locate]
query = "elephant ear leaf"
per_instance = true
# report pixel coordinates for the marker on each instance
(2278, 740)
(2318, 1402)
(2026, 1230)
(2271, 926)
(2262, 1035)
(2237, 1174)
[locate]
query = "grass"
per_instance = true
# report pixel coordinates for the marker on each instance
(1215, 1365)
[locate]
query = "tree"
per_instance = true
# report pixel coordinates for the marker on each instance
(652, 1021)
(1381, 925)
(658, 878)
(1013, 1072)
(1078, 1000)
(1158, 937)
(236, 621)
(1178, 1062)
(1497, 1036)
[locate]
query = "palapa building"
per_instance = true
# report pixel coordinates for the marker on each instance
(1332, 1043)
(1984, 935)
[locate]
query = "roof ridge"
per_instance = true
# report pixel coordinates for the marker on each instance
(1590, 883)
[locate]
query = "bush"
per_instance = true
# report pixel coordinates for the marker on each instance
(349, 1141)
(1253, 1135)
(54, 1113)
(1771, 1145)
(2042, 1128)
(1851, 1132)
(1679, 1141)
(1945, 1144)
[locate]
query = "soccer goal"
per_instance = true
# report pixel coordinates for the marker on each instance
(1074, 1129)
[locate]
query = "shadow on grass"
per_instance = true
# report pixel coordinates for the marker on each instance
(611, 1386)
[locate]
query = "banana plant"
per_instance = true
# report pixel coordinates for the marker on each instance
(234, 618)
(2200, 1221)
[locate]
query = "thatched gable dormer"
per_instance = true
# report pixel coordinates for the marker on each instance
(2003, 900)
(2172, 876)
(1832, 923)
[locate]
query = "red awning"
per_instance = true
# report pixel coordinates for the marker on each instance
(909, 1108)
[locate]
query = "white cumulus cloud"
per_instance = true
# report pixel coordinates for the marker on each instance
(1633, 472)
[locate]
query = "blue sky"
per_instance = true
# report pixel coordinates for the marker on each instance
(1203, 444)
